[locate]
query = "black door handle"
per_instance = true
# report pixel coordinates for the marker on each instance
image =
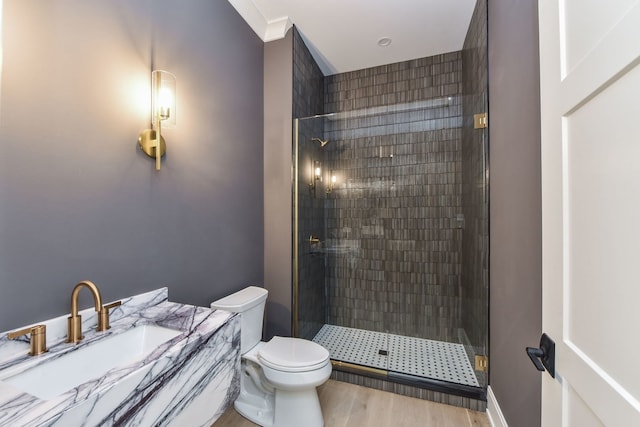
(545, 356)
(535, 354)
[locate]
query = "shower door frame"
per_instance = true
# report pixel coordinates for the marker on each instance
(468, 391)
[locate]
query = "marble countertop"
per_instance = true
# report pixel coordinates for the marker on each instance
(20, 408)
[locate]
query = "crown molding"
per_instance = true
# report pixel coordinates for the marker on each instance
(267, 30)
(277, 29)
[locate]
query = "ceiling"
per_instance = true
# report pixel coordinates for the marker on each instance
(343, 35)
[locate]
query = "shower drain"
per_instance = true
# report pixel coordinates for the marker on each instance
(414, 356)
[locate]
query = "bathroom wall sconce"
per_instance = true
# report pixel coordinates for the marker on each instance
(163, 114)
(333, 180)
(316, 175)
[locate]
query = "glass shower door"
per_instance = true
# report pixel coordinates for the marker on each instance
(310, 302)
(391, 222)
(382, 237)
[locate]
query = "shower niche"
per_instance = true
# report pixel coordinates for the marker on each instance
(390, 224)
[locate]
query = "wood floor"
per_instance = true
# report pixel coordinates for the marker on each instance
(346, 405)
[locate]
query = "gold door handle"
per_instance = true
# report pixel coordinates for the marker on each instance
(38, 338)
(313, 239)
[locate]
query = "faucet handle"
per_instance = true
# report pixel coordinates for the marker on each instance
(103, 316)
(38, 338)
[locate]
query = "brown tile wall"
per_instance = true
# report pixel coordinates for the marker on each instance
(406, 390)
(394, 243)
(308, 80)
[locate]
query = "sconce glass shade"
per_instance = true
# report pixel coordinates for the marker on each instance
(316, 175)
(163, 98)
(317, 171)
(163, 115)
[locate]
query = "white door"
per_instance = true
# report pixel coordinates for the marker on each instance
(590, 99)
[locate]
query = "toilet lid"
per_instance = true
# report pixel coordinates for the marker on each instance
(293, 354)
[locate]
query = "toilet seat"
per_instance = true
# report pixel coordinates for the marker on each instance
(293, 355)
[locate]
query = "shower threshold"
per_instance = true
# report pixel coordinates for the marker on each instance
(435, 365)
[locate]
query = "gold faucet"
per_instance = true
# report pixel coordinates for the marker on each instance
(38, 338)
(74, 322)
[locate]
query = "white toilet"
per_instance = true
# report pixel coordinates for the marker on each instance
(279, 378)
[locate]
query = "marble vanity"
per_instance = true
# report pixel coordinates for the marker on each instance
(187, 380)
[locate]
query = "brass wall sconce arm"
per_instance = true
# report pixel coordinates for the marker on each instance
(148, 142)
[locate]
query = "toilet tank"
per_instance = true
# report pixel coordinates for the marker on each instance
(249, 302)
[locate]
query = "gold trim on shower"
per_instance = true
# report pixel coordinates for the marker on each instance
(359, 368)
(296, 277)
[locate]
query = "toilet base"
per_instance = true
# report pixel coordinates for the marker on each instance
(298, 408)
(256, 413)
(255, 402)
(267, 406)
(292, 409)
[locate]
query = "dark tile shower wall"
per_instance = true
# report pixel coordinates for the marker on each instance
(308, 81)
(308, 87)
(475, 250)
(393, 238)
(420, 79)
(407, 390)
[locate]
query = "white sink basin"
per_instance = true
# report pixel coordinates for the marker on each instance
(57, 376)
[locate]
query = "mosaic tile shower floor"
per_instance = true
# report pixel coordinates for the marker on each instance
(414, 356)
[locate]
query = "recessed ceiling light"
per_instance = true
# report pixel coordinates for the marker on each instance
(384, 42)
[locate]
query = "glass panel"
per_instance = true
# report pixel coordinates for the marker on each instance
(309, 280)
(381, 229)
(475, 193)
(391, 218)
(391, 207)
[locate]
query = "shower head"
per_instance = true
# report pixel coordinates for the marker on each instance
(322, 143)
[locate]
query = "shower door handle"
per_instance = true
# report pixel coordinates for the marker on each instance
(544, 357)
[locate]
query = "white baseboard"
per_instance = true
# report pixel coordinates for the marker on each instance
(493, 410)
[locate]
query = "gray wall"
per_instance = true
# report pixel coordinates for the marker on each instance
(515, 268)
(78, 200)
(278, 93)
